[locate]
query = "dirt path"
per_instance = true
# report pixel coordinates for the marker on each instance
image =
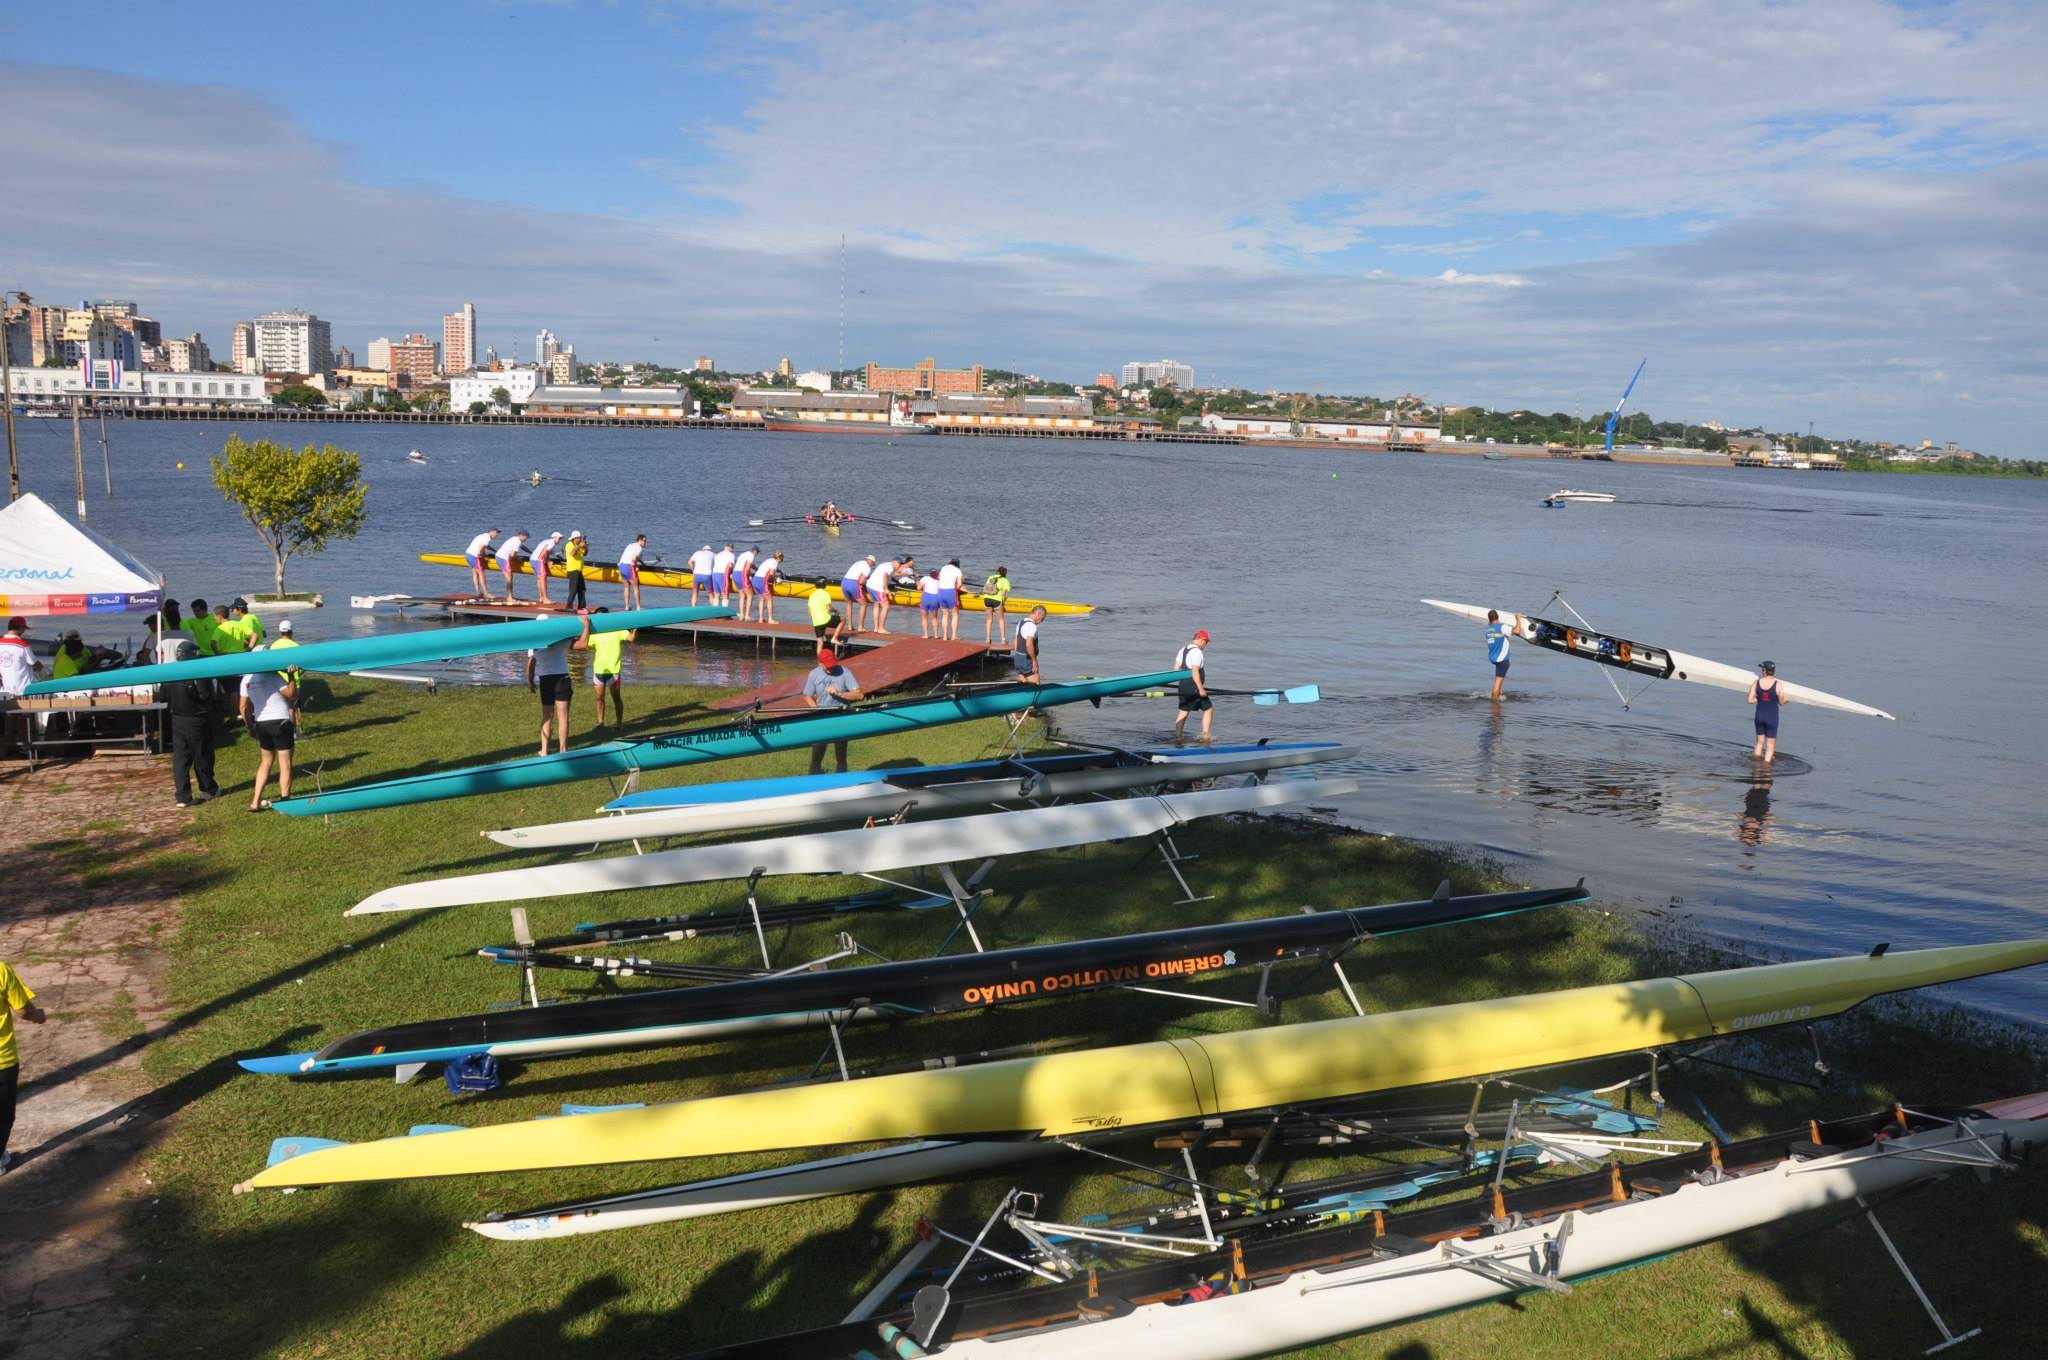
(91, 902)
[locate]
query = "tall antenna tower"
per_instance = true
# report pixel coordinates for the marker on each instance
(841, 367)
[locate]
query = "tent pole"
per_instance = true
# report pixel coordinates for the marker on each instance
(78, 459)
(106, 459)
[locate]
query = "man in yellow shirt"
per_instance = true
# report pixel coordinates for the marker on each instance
(14, 996)
(574, 552)
(200, 629)
(605, 663)
(244, 625)
(826, 626)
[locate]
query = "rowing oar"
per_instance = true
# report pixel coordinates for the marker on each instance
(1264, 698)
(892, 523)
(785, 519)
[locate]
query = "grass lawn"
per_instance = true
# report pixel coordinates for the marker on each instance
(264, 962)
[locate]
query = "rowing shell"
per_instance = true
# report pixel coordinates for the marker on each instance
(936, 789)
(724, 741)
(1642, 658)
(389, 649)
(912, 987)
(1306, 1288)
(860, 851)
(796, 587)
(1113, 1091)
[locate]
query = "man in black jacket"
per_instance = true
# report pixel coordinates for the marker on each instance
(190, 703)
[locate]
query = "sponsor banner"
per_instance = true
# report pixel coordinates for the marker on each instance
(143, 603)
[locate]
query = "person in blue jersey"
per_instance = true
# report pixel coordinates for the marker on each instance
(829, 686)
(1499, 639)
(1769, 697)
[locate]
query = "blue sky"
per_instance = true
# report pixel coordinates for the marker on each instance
(1826, 211)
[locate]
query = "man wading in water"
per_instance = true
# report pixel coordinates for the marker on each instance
(1769, 697)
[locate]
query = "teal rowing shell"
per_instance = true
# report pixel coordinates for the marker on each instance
(725, 742)
(388, 649)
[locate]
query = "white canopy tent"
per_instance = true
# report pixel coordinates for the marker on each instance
(52, 567)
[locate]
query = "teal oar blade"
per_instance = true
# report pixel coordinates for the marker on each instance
(389, 649)
(1300, 694)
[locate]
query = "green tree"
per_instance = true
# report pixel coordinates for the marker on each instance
(300, 395)
(477, 408)
(297, 499)
(501, 396)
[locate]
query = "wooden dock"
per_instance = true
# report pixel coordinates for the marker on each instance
(891, 662)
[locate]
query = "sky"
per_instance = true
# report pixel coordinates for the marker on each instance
(1829, 211)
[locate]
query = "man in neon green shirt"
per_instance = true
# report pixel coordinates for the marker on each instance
(244, 625)
(200, 629)
(73, 657)
(605, 661)
(14, 996)
(826, 626)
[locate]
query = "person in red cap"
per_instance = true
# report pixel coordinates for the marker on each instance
(829, 685)
(1194, 691)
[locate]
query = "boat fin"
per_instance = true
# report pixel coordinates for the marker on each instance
(404, 1073)
(1878, 952)
(1442, 893)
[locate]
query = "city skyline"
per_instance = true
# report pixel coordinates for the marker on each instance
(1823, 213)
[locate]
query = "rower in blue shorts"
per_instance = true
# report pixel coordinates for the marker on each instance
(1499, 638)
(1769, 697)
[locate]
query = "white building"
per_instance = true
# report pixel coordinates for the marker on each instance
(131, 387)
(189, 355)
(378, 355)
(1341, 431)
(293, 342)
(814, 380)
(561, 366)
(470, 388)
(1165, 373)
(546, 345)
(242, 348)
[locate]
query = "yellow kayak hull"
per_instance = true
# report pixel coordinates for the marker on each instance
(680, 580)
(1176, 1080)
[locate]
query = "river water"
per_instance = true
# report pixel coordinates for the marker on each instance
(1306, 565)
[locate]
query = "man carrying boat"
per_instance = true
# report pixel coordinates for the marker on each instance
(1499, 637)
(928, 615)
(743, 579)
(606, 667)
(854, 586)
(828, 686)
(1024, 660)
(508, 560)
(1194, 691)
(543, 555)
(765, 572)
(721, 576)
(478, 548)
(700, 573)
(950, 578)
(881, 581)
(826, 626)
(629, 573)
(547, 673)
(1769, 697)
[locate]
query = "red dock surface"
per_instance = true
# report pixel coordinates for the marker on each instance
(893, 662)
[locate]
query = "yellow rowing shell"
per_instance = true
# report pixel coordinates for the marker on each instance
(680, 580)
(1176, 1080)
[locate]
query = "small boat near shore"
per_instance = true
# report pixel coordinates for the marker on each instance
(1570, 497)
(415, 457)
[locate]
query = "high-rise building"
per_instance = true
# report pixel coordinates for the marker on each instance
(46, 334)
(458, 339)
(99, 337)
(293, 342)
(344, 357)
(561, 365)
(926, 377)
(783, 370)
(546, 345)
(189, 355)
(1165, 373)
(379, 354)
(242, 348)
(412, 361)
(19, 345)
(704, 364)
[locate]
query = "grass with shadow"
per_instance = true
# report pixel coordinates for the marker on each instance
(265, 958)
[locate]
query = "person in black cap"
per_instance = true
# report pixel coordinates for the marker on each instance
(1769, 697)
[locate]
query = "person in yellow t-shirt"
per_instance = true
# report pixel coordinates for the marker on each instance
(292, 674)
(605, 664)
(200, 629)
(574, 552)
(826, 626)
(245, 625)
(73, 657)
(14, 996)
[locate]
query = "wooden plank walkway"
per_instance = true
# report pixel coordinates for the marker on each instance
(893, 662)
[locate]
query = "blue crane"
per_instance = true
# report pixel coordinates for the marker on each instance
(1614, 417)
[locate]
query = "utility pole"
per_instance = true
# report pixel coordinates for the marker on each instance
(106, 459)
(78, 459)
(7, 380)
(842, 303)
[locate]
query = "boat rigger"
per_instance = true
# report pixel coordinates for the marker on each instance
(1110, 1092)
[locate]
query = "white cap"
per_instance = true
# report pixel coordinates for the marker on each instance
(284, 626)
(556, 534)
(575, 533)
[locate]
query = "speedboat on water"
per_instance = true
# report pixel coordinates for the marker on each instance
(1569, 497)
(415, 457)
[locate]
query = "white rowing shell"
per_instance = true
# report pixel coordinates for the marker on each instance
(1698, 669)
(883, 799)
(860, 850)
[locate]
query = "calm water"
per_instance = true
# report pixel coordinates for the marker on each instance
(1306, 565)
